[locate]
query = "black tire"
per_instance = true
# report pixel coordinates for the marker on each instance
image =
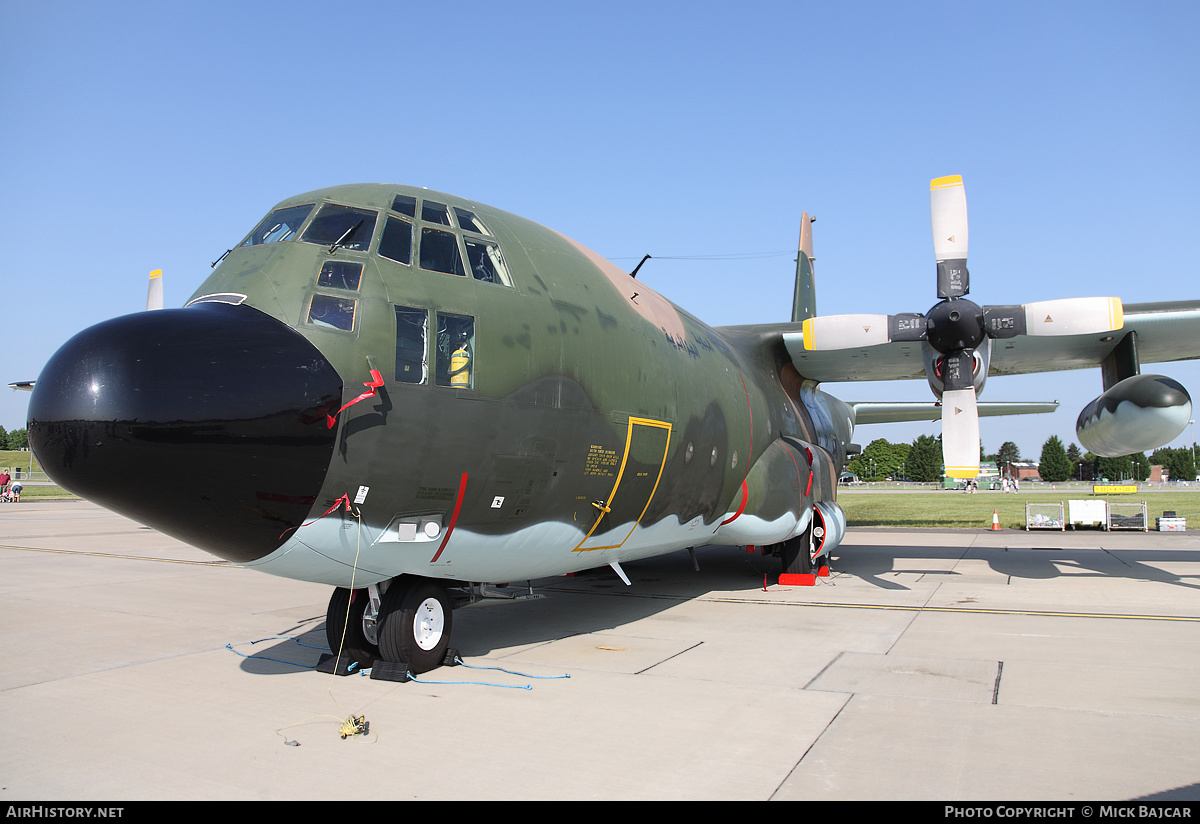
(343, 604)
(415, 620)
(797, 552)
(796, 556)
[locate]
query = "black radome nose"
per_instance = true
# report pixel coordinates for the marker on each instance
(207, 423)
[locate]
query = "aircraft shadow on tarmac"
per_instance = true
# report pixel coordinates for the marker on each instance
(597, 601)
(588, 602)
(888, 567)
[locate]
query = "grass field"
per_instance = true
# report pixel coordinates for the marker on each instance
(864, 506)
(12, 459)
(894, 508)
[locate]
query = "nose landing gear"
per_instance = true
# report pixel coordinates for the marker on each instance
(415, 619)
(411, 625)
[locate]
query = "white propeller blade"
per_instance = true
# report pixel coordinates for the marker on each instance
(960, 433)
(154, 295)
(1073, 316)
(845, 331)
(948, 213)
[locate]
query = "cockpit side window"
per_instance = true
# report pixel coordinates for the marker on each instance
(340, 274)
(439, 252)
(412, 328)
(342, 226)
(454, 364)
(281, 224)
(332, 312)
(486, 262)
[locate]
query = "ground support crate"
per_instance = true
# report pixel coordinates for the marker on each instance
(1045, 516)
(1088, 513)
(1128, 516)
(1171, 524)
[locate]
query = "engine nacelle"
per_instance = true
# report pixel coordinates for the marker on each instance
(933, 368)
(1138, 414)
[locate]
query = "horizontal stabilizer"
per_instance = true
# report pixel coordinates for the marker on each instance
(878, 412)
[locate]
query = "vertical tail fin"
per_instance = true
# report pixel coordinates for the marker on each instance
(804, 304)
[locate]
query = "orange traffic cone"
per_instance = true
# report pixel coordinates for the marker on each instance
(995, 521)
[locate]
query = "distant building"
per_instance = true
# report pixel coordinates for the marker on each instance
(1025, 471)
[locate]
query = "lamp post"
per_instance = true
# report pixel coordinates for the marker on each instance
(1195, 470)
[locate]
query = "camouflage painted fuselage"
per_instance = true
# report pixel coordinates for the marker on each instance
(552, 415)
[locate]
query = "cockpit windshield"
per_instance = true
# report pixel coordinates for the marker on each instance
(281, 224)
(342, 226)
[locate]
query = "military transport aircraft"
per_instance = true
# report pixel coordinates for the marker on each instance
(411, 397)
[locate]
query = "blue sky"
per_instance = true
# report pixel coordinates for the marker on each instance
(152, 135)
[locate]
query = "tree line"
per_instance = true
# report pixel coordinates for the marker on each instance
(17, 439)
(921, 461)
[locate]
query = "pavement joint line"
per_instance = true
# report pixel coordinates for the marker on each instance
(117, 555)
(896, 607)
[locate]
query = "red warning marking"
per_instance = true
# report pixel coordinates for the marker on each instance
(373, 384)
(462, 488)
(741, 508)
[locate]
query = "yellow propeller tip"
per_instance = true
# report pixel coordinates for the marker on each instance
(943, 182)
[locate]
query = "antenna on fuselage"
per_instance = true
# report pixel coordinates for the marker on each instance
(633, 274)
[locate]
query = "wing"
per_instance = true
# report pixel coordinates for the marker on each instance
(1166, 331)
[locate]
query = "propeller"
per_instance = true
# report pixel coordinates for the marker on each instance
(154, 295)
(956, 327)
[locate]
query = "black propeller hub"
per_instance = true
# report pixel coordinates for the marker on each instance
(206, 423)
(954, 324)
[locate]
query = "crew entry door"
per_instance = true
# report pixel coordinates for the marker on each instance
(646, 444)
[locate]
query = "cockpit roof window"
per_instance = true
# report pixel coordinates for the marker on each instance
(468, 221)
(281, 224)
(405, 205)
(465, 246)
(342, 226)
(433, 212)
